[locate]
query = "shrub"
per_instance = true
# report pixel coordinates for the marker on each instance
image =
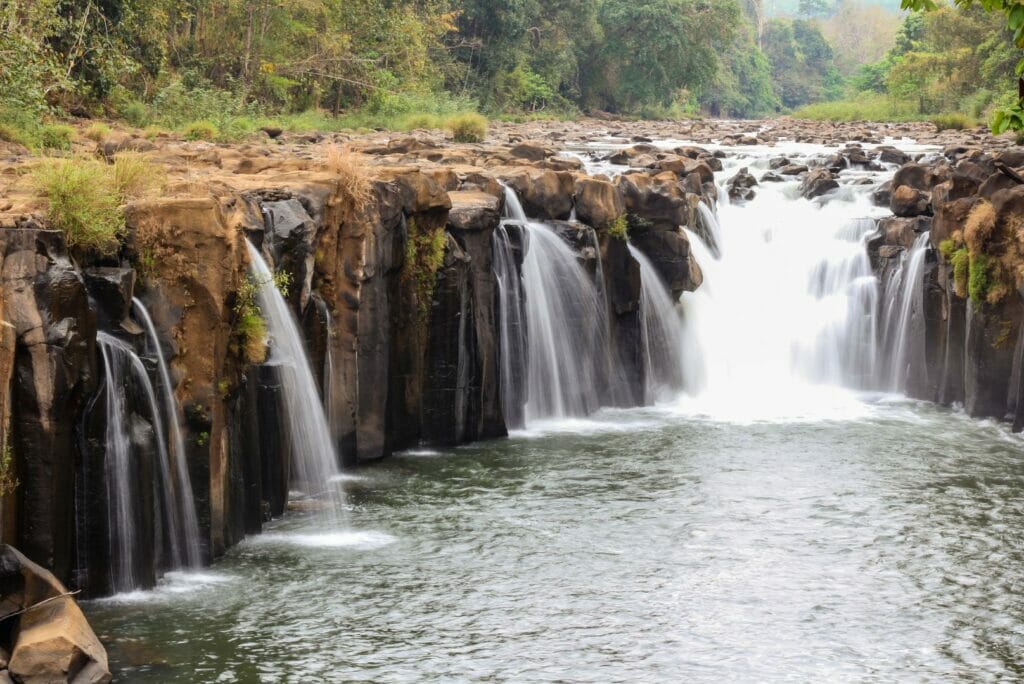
(56, 136)
(353, 174)
(152, 132)
(12, 134)
(249, 325)
(952, 122)
(136, 113)
(98, 132)
(980, 278)
(83, 202)
(961, 262)
(136, 177)
(467, 128)
(200, 130)
(619, 229)
(946, 248)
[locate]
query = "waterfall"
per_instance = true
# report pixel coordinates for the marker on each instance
(329, 381)
(566, 325)
(710, 229)
(511, 327)
(314, 461)
(783, 319)
(183, 510)
(122, 509)
(124, 372)
(661, 335)
(904, 300)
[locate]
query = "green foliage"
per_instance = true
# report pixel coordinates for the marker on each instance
(424, 256)
(861, 107)
(83, 202)
(742, 86)
(98, 132)
(980, 278)
(468, 128)
(961, 262)
(56, 136)
(946, 248)
(619, 229)
(135, 177)
(200, 130)
(952, 122)
(802, 62)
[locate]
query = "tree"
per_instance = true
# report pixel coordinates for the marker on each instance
(814, 8)
(1004, 118)
(654, 49)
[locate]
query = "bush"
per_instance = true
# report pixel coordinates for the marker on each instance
(961, 261)
(13, 134)
(153, 132)
(200, 130)
(56, 136)
(619, 229)
(98, 132)
(136, 113)
(135, 177)
(467, 128)
(952, 122)
(862, 107)
(83, 202)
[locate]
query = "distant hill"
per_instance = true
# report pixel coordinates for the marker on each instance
(782, 8)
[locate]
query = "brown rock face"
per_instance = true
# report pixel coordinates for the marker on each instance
(52, 642)
(909, 201)
(545, 195)
(598, 202)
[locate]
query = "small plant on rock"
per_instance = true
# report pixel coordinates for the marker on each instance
(56, 137)
(200, 130)
(354, 174)
(619, 228)
(98, 132)
(135, 177)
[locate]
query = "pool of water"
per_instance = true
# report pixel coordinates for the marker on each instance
(641, 545)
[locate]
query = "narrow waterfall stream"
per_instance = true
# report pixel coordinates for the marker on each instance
(567, 354)
(181, 480)
(662, 335)
(128, 456)
(903, 302)
(314, 460)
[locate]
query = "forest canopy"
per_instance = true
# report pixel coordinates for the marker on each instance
(173, 62)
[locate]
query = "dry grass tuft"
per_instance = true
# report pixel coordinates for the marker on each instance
(979, 228)
(353, 173)
(135, 177)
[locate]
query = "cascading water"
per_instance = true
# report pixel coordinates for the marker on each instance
(566, 322)
(330, 381)
(661, 335)
(784, 317)
(710, 229)
(184, 509)
(511, 326)
(904, 300)
(314, 460)
(125, 371)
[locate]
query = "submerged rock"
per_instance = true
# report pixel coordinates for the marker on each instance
(817, 183)
(741, 186)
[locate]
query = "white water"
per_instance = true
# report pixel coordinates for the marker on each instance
(567, 325)
(314, 460)
(184, 510)
(511, 327)
(124, 369)
(903, 301)
(662, 335)
(784, 321)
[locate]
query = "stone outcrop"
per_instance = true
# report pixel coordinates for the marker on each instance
(46, 634)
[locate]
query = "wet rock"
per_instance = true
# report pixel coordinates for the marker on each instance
(113, 289)
(51, 642)
(909, 201)
(670, 254)
(891, 155)
(771, 177)
(903, 231)
(882, 195)
(792, 169)
(817, 183)
(741, 186)
(656, 200)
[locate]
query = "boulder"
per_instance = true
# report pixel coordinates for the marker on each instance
(52, 641)
(817, 183)
(741, 186)
(890, 155)
(473, 211)
(598, 202)
(656, 200)
(670, 254)
(544, 194)
(909, 201)
(531, 151)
